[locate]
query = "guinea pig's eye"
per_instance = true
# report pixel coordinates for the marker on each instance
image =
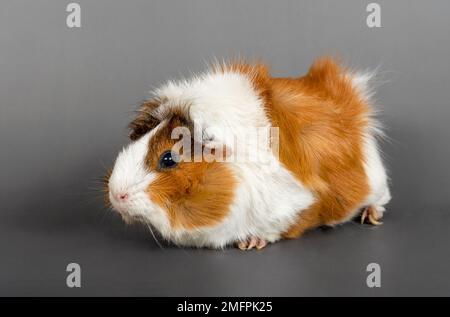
(167, 160)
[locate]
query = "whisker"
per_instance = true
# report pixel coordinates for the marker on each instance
(154, 236)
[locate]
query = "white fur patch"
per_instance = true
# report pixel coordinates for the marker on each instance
(131, 176)
(216, 100)
(375, 170)
(376, 174)
(361, 82)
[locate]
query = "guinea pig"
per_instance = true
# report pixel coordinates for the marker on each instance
(325, 169)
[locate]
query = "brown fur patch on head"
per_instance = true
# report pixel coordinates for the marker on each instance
(145, 120)
(194, 194)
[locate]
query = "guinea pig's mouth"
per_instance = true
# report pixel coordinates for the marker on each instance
(123, 209)
(118, 206)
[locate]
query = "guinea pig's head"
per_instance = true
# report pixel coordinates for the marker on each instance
(172, 191)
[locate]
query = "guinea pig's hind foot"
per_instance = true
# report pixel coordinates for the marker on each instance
(371, 215)
(251, 243)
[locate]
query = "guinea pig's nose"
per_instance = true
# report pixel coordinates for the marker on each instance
(122, 196)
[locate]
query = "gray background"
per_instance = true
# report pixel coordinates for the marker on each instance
(66, 96)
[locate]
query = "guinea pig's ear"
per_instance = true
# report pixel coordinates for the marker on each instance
(145, 121)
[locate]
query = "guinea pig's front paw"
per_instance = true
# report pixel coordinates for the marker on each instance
(252, 242)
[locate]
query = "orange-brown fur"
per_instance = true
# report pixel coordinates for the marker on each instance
(322, 121)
